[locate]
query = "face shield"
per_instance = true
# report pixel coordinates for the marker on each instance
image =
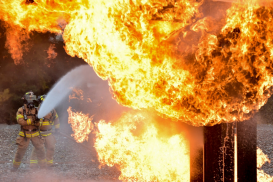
(30, 101)
(30, 98)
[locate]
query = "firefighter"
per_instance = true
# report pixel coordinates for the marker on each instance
(46, 125)
(27, 117)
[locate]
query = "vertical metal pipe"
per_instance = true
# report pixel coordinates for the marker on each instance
(219, 153)
(235, 154)
(212, 154)
(247, 157)
(230, 152)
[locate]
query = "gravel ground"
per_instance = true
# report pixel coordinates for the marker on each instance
(265, 143)
(78, 163)
(74, 162)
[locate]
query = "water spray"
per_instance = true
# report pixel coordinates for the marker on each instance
(63, 87)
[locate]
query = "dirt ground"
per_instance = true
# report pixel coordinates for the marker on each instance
(74, 162)
(78, 163)
(265, 142)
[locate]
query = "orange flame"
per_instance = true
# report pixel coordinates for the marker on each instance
(145, 49)
(81, 125)
(261, 160)
(16, 43)
(140, 152)
(228, 78)
(141, 47)
(22, 18)
(132, 143)
(51, 53)
(76, 94)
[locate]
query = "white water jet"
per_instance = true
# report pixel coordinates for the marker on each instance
(63, 87)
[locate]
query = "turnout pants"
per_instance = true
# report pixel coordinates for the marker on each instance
(50, 142)
(23, 143)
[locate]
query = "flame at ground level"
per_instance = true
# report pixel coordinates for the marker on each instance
(81, 125)
(261, 160)
(263, 177)
(134, 144)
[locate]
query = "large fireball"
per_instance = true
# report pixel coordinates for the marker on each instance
(142, 48)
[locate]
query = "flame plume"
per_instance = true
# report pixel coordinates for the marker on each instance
(76, 94)
(51, 53)
(81, 125)
(261, 160)
(229, 77)
(126, 46)
(132, 144)
(142, 154)
(142, 47)
(160, 55)
(22, 17)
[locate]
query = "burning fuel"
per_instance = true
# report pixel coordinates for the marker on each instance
(134, 144)
(158, 55)
(261, 160)
(139, 47)
(81, 125)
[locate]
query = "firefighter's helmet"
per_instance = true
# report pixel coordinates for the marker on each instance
(29, 99)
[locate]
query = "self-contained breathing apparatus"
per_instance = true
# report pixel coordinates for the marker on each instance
(29, 99)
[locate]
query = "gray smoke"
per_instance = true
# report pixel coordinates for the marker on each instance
(62, 88)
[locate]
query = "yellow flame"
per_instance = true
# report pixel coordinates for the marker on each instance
(261, 160)
(81, 125)
(141, 153)
(146, 51)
